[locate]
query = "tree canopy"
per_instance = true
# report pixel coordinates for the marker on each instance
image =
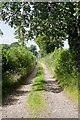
(50, 23)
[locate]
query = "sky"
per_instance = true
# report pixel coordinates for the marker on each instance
(8, 34)
(66, 45)
(9, 37)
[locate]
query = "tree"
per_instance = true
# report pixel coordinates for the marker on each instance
(72, 17)
(55, 20)
(5, 46)
(33, 49)
(47, 20)
(58, 21)
(16, 14)
(14, 44)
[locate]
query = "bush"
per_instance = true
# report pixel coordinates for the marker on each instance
(16, 58)
(65, 69)
(62, 65)
(17, 63)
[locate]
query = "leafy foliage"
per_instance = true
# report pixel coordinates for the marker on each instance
(58, 21)
(63, 65)
(17, 63)
(16, 14)
(33, 49)
(51, 22)
(16, 57)
(66, 69)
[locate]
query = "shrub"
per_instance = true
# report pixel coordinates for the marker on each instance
(17, 63)
(16, 58)
(62, 65)
(65, 69)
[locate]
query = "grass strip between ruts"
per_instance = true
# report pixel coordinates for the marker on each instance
(36, 100)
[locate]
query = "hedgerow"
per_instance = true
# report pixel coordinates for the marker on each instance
(63, 65)
(65, 68)
(17, 63)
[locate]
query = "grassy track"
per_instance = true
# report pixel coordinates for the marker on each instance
(36, 99)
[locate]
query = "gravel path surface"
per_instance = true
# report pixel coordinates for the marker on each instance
(58, 104)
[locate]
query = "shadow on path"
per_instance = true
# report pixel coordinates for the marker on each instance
(13, 98)
(50, 86)
(53, 86)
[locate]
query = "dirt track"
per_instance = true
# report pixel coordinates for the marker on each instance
(58, 104)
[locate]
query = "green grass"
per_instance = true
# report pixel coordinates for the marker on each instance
(72, 94)
(39, 83)
(36, 100)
